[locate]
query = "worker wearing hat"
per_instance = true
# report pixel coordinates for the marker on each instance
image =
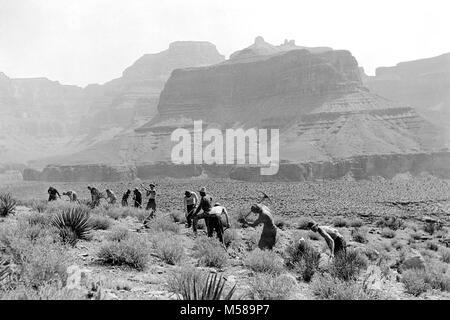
(190, 203)
(205, 205)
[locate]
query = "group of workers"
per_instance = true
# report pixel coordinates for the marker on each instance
(215, 216)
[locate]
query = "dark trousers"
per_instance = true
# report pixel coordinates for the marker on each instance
(215, 224)
(190, 212)
(151, 205)
(340, 246)
(196, 217)
(52, 197)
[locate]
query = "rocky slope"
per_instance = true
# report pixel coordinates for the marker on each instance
(331, 125)
(423, 84)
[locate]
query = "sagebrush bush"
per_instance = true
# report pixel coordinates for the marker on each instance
(39, 206)
(264, 261)
(281, 223)
(270, 287)
(302, 223)
(302, 257)
(340, 222)
(118, 234)
(231, 237)
(178, 217)
(39, 219)
(98, 222)
(123, 212)
(392, 222)
(348, 266)
(164, 224)
(73, 224)
(51, 290)
(445, 255)
(359, 235)
(132, 252)
(326, 287)
(414, 282)
(7, 205)
(388, 233)
(356, 223)
(170, 250)
(210, 252)
(432, 246)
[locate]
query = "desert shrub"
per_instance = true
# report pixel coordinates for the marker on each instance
(302, 223)
(313, 235)
(431, 228)
(52, 290)
(132, 252)
(445, 255)
(415, 236)
(178, 217)
(391, 222)
(281, 223)
(231, 237)
(270, 287)
(396, 244)
(432, 246)
(162, 224)
(388, 233)
(414, 281)
(123, 212)
(118, 234)
(264, 261)
(98, 222)
(210, 252)
(356, 223)
(340, 222)
(437, 278)
(326, 287)
(359, 235)
(347, 266)
(7, 205)
(303, 258)
(190, 284)
(170, 250)
(73, 224)
(39, 206)
(38, 219)
(38, 260)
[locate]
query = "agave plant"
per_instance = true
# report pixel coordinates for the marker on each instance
(212, 289)
(7, 205)
(4, 270)
(73, 224)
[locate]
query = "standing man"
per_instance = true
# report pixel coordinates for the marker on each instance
(125, 197)
(52, 193)
(335, 240)
(190, 202)
(137, 197)
(205, 205)
(151, 193)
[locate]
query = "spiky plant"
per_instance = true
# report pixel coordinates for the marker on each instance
(212, 289)
(7, 205)
(73, 224)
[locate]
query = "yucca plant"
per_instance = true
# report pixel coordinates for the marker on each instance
(212, 289)
(7, 205)
(4, 270)
(73, 224)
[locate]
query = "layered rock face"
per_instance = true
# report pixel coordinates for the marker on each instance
(424, 84)
(37, 117)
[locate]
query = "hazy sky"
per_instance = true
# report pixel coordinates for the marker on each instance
(93, 41)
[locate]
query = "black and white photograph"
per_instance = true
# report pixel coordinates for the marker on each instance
(238, 150)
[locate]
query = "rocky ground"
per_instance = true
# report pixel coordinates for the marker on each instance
(355, 208)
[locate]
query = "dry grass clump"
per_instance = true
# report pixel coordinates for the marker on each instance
(392, 222)
(163, 224)
(178, 217)
(232, 238)
(302, 223)
(326, 287)
(270, 287)
(264, 261)
(388, 233)
(281, 223)
(348, 266)
(340, 222)
(445, 255)
(118, 234)
(414, 282)
(117, 213)
(359, 235)
(210, 252)
(169, 249)
(313, 235)
(7, 205)
(356, 223)
(302, 257)
(132, 252)
(100, 222)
